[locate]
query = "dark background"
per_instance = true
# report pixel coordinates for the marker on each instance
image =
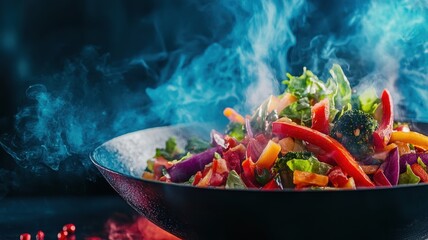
(44, 35)
(39, 37)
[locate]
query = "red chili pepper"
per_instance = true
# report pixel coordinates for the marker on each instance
(339, 153)
(419, 171)
(25, 236)
(40, 235)
(320, 114)
(383, 133)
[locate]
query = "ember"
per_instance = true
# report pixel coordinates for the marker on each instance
(25, 236)
(40, 235)
(69, 228)
(123, 226)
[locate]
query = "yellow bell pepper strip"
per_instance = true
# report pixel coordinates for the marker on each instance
(338, 152)
(383, 133)
(301, 179)
(233, 116)
(414, 138)
(269, 155)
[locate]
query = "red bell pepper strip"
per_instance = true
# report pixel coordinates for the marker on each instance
(338, 152)
(383, 133)
(248, 172)
(419, 171)
(320, 113)
(197, 179)
(271, 185)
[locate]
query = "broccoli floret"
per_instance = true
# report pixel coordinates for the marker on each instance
(354, 129)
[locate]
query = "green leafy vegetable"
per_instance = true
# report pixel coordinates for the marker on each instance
(309, 90)
(196, 145)
(300, 164)
(235, 130)
(281, 163)
(261, 120)
(309, 165)
(339, 88)
(170, 152)
(368, 101)
(300, 110)
(234, 181)
(302, 161)
(306, 85)
(408, 177)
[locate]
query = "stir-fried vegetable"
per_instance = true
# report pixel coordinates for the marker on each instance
(316, 135)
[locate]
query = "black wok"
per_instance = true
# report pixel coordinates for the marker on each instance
(199, 213)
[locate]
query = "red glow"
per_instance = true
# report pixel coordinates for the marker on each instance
(133, 228)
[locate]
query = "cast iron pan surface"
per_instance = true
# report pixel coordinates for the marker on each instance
(201, 213)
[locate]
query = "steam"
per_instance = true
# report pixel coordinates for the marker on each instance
(238, 60)
(73, 110)
(396, 43)
(240, 70)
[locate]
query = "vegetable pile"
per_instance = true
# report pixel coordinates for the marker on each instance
(316, 135)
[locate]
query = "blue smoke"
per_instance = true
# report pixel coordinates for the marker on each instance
(239, 70)
(234, 55)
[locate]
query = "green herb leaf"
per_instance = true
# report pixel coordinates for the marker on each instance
(234, 181)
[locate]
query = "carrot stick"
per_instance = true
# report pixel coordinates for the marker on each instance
(307, 178)
(233, 115)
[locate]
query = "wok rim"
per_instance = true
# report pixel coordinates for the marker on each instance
(181, 185)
